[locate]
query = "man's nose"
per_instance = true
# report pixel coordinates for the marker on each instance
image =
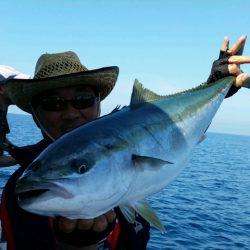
(70, 112)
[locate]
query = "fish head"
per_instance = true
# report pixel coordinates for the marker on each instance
(66, 185)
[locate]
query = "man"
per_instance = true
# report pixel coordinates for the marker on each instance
(6, 73)
(62, 96)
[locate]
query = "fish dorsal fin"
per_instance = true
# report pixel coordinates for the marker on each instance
(141, 95)
(145, 211)
(143, 162)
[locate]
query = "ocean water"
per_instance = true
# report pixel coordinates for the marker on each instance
(206, 207)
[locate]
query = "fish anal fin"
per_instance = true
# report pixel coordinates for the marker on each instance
(145, 211)
(148, 213)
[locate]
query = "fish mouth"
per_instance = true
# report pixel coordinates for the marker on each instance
(31, 194)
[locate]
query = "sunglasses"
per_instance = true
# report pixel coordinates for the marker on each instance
(57, 104)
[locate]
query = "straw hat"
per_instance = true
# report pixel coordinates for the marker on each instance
(57, 71)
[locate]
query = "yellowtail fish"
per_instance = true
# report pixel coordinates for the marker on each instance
(121, 158)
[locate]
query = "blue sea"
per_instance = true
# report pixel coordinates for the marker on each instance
(206, 207)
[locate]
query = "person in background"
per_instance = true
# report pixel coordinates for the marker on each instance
(62, 96)
(6, 73)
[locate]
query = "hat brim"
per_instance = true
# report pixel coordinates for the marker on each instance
(23, 91)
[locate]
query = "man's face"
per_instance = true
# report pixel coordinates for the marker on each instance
(60, 111)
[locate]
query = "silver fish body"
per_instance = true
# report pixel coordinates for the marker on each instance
(123, 157)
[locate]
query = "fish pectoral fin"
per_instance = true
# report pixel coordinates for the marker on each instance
(145, 211)
(148, 161)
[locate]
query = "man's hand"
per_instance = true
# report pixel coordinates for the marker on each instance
(229, 63)
(98, 224)
(235, 60)
(82, 234)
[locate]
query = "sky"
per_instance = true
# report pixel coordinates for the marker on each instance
(168, 45)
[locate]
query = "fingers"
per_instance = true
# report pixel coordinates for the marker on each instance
(241, 79)
(101, 222)
(234, 69)
(239, 59)
(67, 225)
(111, 216)
(85, 224)
(229, 62)
(233, 64)
(225, 44)
(97, 224)
(235, 60)
(237, 46)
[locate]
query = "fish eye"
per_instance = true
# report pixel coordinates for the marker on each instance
(83, 168)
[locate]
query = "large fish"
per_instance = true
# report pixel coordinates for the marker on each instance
(123, 157)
